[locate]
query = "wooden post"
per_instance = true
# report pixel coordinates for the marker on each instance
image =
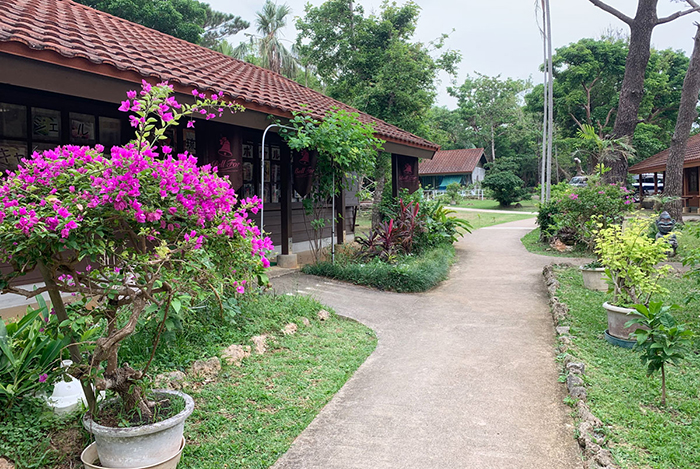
(286, 201)
(656, 183)
(340, 217)
(641, 190)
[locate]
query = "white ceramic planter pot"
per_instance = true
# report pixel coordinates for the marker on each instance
(617, 317)
(142, 446)
(594, 279)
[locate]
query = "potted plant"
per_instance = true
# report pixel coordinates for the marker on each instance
(593, 275)
(630, 258)
(137, 234)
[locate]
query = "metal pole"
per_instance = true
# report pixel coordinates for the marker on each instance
(333, 223)
(545, 120)
(262, 172)
(550, 103)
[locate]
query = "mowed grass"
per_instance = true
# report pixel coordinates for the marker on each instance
(490, 204)
(484, 219)
(250, 414)
(250, 417)
(532, 243)
(640, 433)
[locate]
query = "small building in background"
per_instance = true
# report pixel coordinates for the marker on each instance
(464, 167)
(653, 171)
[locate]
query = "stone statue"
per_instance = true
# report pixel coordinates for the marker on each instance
(665, 225)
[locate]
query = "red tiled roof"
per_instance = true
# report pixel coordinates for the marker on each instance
(73, 35)
(657, 163)
(451, 162)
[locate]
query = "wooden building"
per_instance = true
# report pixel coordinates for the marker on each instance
(464, 166)
(65, 68)
(657, 165)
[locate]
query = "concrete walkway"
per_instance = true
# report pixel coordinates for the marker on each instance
(463, 376)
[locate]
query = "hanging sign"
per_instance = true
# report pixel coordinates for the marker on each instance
(230, 164)
(304, 166)
(407, 173)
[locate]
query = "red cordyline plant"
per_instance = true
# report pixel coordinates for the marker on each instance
(135, 233)
(394, 237)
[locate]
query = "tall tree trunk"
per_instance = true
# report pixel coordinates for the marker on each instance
(632, 90)
(687, 113)
(493, 144)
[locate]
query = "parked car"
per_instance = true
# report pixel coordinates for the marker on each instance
(648, 183)
(579, 181)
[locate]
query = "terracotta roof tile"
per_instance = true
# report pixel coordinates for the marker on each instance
(78, 32)
(657, 163)
(451, 162)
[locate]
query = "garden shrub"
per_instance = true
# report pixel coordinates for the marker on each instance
(503, 183)
(415, 273)
(580, 212)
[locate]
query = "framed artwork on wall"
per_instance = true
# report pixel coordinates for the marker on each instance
(46, 125)
(82, 128)
(11, 153)
(110, 132)
(13, 121)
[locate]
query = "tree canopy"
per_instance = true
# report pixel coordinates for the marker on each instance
(190, 20)
(372, 63)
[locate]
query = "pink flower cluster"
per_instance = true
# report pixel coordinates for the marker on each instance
(62, 193)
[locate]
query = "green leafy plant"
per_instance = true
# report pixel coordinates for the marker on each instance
(661, 340)
(584, 210)
(630, 259)
(347, 149)
(138, 231)
(505, 186)
(454, 192)
(29, 357)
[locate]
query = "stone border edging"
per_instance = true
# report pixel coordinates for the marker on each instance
(588, 439)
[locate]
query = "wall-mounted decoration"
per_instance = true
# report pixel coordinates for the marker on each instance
(276, 177)
(189, 138)
(408, 173)
(248, 190)
(82, 128)
(247, 171)
(170, 139)
(304, 166)
(110, 132)
(266, 198)
(46, 125)
(267, 171)
(13, 121)
(275, 153)
(230, 164)
(276, 192)
(40, 147)
(248, 150)
(11, 153)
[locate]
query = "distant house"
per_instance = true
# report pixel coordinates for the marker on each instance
(657, 165)
(463, 166)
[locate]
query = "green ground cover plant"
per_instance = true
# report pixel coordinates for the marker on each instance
(410, 273)
(259, 407)
(527, 205)
(533, 243)
(641, 432)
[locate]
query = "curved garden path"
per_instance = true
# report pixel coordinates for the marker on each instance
(463, 376)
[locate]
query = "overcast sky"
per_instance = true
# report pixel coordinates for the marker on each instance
(500, 36)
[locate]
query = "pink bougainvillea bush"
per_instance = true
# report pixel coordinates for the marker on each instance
(135, 231)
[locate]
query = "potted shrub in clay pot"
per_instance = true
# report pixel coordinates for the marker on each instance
(631, 259)
(594, 277)
(136, 233)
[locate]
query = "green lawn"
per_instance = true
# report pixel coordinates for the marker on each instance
(641, 433)
(250, 415)
(532, 243)
(490, 204)
(484, 219)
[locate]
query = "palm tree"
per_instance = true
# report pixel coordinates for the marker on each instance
(603, 150)
(267, 45)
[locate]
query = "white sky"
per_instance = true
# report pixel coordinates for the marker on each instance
(500, 36)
